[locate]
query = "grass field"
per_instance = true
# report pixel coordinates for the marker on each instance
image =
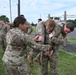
(66, 64)
(72, 40)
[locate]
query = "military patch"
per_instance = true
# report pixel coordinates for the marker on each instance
(40, 30)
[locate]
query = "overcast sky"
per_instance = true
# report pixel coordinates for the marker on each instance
(34, 9)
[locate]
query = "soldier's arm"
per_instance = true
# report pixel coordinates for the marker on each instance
(56, 37)
(28, 40)
(40, 30)
(30, 29)
(57, 40)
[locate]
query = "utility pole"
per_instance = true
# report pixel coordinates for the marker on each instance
(65, 15)
(18, 7)
(49, 16)
(10, 11)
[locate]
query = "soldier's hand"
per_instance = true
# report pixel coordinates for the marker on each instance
(48, 53)
(36, 38)
(50, 35)
(39, 38)
(50, 47)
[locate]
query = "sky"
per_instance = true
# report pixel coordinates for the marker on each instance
(34, 9)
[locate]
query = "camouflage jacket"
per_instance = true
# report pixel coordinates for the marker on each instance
(58, 35)
(3, 30)
(17, 41)
(29, 29)
(41, 30)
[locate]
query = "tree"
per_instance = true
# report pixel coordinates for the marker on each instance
(56, 18)
(4, 18)
(33, 24)
(51, 17)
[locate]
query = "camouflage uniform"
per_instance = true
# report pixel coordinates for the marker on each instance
(40, 30)
(3, 30)
(28, 31)
(56, 40)
(13, 58)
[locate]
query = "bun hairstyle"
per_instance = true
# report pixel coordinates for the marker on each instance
(18, 20)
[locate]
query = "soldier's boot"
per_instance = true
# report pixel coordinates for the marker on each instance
(30, 60)
(37, 59)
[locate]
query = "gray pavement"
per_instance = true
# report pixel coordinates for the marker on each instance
(70, 47)
(72, 34)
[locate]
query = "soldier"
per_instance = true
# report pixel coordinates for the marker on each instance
(35, 53)
(29, 29)
(41, 38)
(56, 37)
(3, 30)
(17, 41)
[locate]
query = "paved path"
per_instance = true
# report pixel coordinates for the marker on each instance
(72, 34)
(70, 47)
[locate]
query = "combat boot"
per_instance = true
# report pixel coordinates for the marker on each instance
(30, 60)
(37, 59)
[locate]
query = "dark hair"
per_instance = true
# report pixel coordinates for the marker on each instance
(70, 25)
(40, 19)
(18, 20)
(22, 15)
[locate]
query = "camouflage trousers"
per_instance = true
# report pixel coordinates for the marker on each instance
(53, 64)
(27, 51)
(16, 69)
(3, 44)
(35, 53)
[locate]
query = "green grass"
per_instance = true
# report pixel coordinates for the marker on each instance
(72, 40)
(2, 70)
(66, 65)
(34, 28)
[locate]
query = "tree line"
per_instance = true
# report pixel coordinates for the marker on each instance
(5, 19)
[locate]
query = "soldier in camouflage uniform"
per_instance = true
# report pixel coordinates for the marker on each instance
(41, 38)
(3, 30)
(56, 38)
(28, 31)
(40, 30)
(17, 41)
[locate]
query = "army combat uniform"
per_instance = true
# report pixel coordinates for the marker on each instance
(28, 31)
(3, 30)
(56, 40)
(40, 30)
(13, 58)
